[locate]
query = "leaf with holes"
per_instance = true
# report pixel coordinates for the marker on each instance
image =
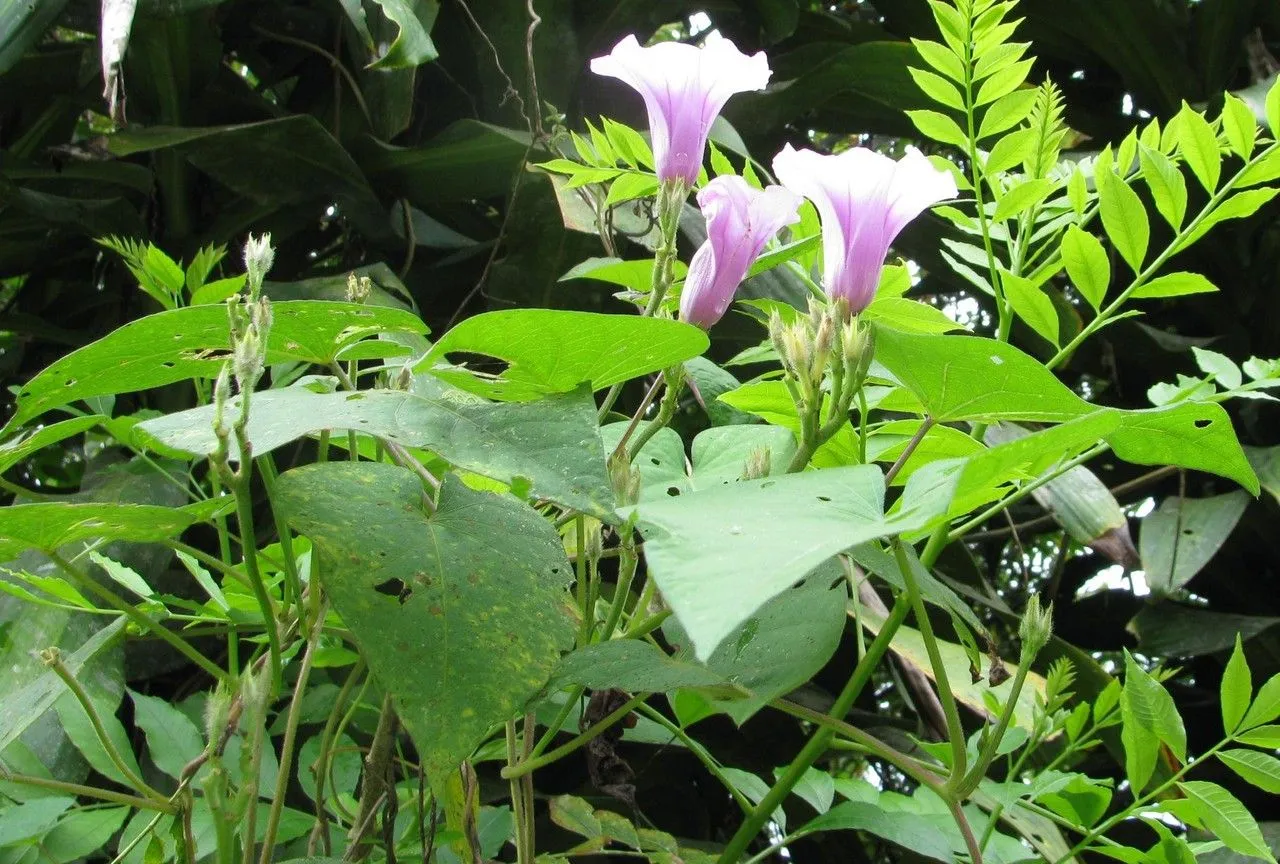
(461, 613)
(1182, 536)
(552, 351)
(194, 343)
(719, 554)
(552, 442)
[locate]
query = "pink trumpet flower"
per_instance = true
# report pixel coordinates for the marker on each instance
(684, 87)
(864, 199)
(740, 221)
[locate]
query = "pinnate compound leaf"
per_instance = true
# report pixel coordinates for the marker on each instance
(1266, 705)
(1263, 736)
(1087, 265)
(18, 710)
(552, 442)
(1239, 124)
(1174, 285)
(1149, 719)
(1236, 690)
(911, 831)
(1124, 218)
(194, 342)
(1198, 145)
(719, 554)
(1031, 305)
(461, 613)
(1168, 188)
(553, 351)
(1260, 769)
(1224, 815)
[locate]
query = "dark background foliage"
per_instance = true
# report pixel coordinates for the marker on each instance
(251, 116)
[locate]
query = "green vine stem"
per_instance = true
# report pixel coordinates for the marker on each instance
(955, 729)
(291, 732)
(700, 753)
(819, 741)
(182, 646)
(77, 790)
(524, 853)
(532, 764)
(666, 410)
(53, 659)
(670, 203)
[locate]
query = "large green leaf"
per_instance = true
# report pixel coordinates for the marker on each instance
(195, 342)
(468, 160)
(633, 665)
(273, 163)
(1180, 538)
(720, 553)
(971, 378)
(553, 350)
(48, 525)
(553, 442)
(461, 613)
(779, 647)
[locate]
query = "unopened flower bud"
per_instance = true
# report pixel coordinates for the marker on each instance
(798, 346)
(625, 480)
(758, 464)
(1035, 628)
(776, 329)
(823, 340)
(859, 345)
(594, 545)
(258, 258)
(358, 288)
(217, 712)
(404, 378)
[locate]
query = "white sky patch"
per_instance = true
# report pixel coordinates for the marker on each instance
(699, 22)
(1126, 105)
(1113, 578)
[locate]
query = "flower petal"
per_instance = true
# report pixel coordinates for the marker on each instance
(740, 222)
(864, 199)
(684, 88)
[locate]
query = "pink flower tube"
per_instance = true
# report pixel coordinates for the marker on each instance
(684, 87)
(740, 221)
(864, 199)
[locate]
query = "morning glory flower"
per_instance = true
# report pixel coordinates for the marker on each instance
(740, 221)
(684, 87)
(864, 199)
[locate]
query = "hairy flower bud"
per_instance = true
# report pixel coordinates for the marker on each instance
(759, 463)
(1035, 629)
(258, 258)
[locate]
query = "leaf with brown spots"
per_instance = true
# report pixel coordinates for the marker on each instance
(435, 599)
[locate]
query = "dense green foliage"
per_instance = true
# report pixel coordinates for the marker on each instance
(413, 411)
